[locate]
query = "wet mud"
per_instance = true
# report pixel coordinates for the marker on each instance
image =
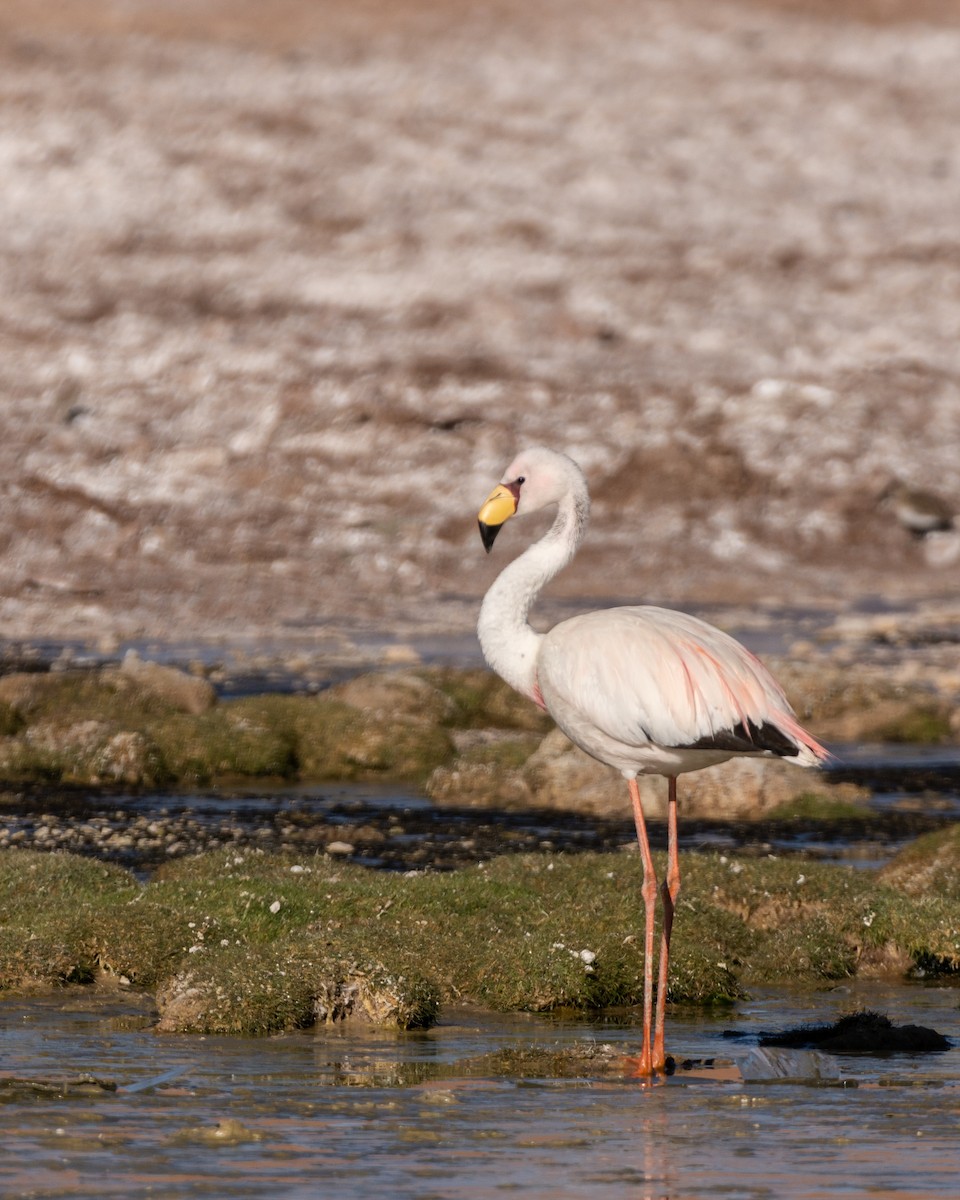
(397, 831)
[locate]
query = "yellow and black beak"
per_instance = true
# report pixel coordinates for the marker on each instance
(497, 508)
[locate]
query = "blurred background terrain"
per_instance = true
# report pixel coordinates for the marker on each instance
(284, 287)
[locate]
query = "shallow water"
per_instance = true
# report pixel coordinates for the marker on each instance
(368, 1113)
(913, 789)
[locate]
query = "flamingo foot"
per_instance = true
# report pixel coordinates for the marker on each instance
(638, 1068)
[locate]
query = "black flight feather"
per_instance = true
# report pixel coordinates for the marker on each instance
(744, 739)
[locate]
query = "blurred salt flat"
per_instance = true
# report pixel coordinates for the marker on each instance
(281, 295)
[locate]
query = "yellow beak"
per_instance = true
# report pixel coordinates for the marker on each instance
(497, 508)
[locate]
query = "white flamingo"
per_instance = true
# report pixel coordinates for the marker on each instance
(647, 690)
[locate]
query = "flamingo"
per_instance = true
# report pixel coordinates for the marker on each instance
(646, 690)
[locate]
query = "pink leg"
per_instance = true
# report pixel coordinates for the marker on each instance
(669, 890)
(649, 893)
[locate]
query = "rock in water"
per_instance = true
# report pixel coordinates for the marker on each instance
(861, 1032)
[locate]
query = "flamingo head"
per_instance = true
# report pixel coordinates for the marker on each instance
(535, 479)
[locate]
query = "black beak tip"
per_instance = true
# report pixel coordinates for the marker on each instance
(488, 535)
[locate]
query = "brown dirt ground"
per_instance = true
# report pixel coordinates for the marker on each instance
(283, 287)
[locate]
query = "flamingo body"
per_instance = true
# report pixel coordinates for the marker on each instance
(647, 690)
(653, 691)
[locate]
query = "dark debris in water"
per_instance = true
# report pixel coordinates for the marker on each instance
(893, 777)
(862, 1032)
(15, 1089)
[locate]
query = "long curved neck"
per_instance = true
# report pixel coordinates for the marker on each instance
(509, 644)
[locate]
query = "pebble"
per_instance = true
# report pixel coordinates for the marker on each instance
(432, 839)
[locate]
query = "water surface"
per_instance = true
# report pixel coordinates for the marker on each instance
(368, 1113)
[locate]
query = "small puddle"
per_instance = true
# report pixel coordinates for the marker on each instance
(92, 1102)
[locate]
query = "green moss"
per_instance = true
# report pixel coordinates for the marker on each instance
(310, 738)
(50, 908)
(11, 720)
(81, 728)
(813, 806)
(507, 753)
(482, 699)
(255, 943)
(227, 741)
(337, 741)
(928, 866)
(291, 984)
(77, 695)
(927, 725)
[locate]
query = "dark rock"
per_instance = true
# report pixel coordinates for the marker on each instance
(862, 1032)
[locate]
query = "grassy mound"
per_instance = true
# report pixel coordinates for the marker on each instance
(255, 943)
(99, 728)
